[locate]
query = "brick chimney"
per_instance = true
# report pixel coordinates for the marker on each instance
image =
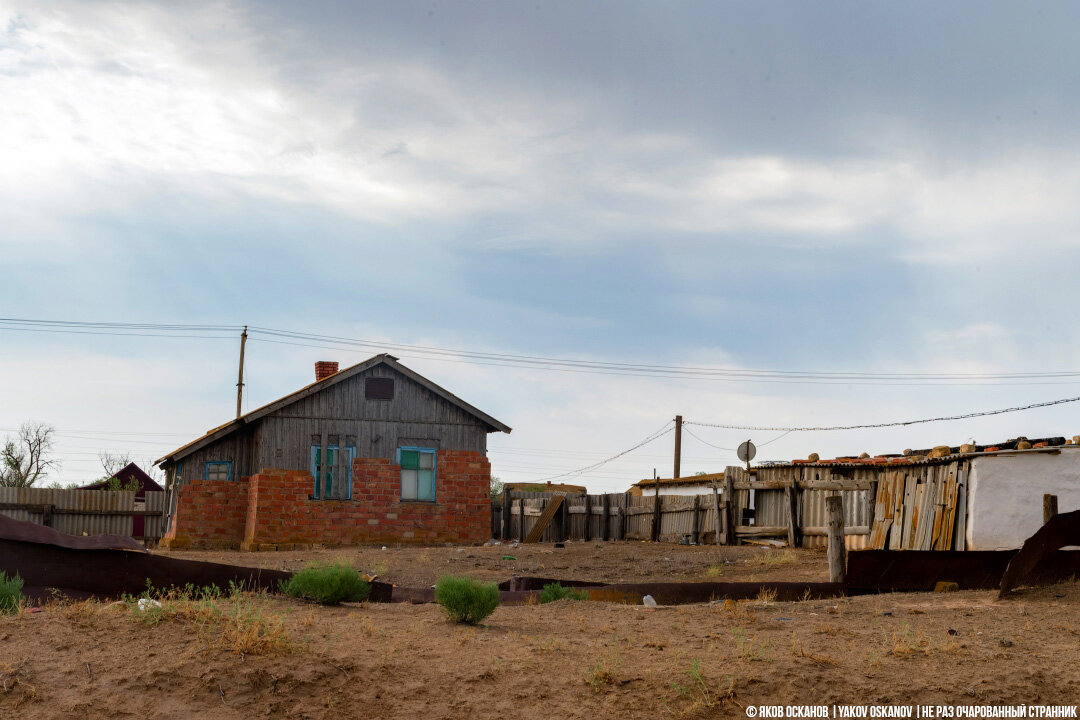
(324, 369)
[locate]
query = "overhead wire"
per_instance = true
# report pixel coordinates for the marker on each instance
(902, 423)
(547, 363)
(664, 430)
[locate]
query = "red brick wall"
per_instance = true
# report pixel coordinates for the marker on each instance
(275, 509)
(209, 513)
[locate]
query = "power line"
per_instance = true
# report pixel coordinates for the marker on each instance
(547, 363)
(965, 416)
(664, 430)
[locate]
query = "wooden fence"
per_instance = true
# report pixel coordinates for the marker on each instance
(87, 512)
(920, 506)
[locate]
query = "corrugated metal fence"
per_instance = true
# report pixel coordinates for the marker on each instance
(85, 512)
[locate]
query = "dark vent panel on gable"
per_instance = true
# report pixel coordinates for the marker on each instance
(377, 388)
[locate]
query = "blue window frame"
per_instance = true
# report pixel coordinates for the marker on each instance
(417, 473)
(333, 487)
(218, 470)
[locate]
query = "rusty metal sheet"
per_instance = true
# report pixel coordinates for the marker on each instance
(1037, 559)
(920, 570)
(24, 531)
(111, 573)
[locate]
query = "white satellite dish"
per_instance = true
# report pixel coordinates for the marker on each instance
(747, 451)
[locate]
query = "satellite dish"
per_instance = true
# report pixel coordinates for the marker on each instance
(747, 451)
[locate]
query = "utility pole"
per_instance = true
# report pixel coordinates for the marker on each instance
(240, 380)
(678, 446)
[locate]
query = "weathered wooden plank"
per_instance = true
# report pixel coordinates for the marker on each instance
(542, 523)
(761, 530)
(823, 530)
(834, 507)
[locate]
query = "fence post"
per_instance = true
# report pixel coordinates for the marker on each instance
(716, 511)
(521, 519)
(605, 532)
(729, 507)
(792, 496)
(871, 509)
(507, 500)
(588, 519)
(695, 524)
(565, 530)
(656, 513)
(46, 515)
(1050, 507)
(834, 511)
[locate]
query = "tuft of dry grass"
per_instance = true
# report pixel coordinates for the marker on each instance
(772, 558)
(797, 650)
(714, 570)
(909, 643)
(13, 679)
(767, 595)
(248, 630)
(750, 650)
(701, 693)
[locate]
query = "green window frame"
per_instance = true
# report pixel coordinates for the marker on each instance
(332, 488)
(418, 473)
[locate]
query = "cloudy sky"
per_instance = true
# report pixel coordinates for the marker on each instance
(834, 188)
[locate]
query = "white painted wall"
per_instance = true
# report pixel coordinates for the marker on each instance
(1005, 495)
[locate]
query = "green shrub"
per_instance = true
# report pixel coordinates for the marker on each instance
(10, 593)
(555, 591)
(465, 600)
(327, 584)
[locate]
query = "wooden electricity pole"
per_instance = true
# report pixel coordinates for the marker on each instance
(678, 447)
(240, 380)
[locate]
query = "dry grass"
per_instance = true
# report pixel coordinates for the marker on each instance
(767, 595)
(773, 558)
(739, 611)
(798, 651)
(13, 682)
(702, 695)
(909, 642)
(750, 650)
(240, 623)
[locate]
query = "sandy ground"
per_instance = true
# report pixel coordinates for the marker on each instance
(566, 659)
(610, 562)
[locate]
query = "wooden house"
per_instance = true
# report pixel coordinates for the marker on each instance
(373, 453)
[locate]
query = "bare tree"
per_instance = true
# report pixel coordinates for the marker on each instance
(113, 463)
(25, 459)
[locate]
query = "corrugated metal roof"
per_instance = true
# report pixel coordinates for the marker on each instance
(890, 460)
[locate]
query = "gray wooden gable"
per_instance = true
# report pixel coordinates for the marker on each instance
(282, 432)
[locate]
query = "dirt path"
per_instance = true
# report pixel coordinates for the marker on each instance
(603, 562)
(563, 660)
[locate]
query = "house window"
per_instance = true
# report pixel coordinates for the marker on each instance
(417, 473)
(378, 388)
(219, 470)
(336, 483)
